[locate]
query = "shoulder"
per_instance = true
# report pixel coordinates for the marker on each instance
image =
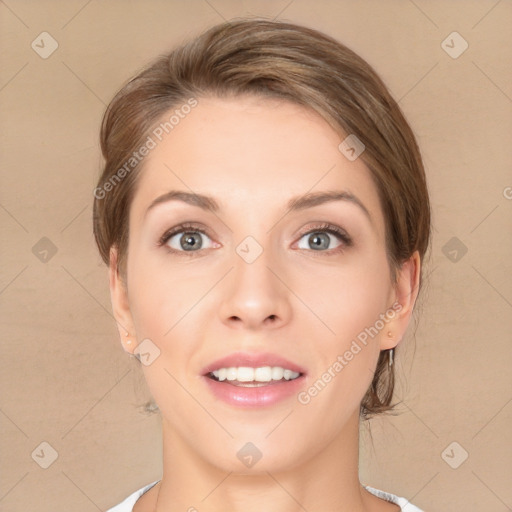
(404, 503)
(127, 504)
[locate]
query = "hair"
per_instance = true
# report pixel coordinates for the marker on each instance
(274, 59)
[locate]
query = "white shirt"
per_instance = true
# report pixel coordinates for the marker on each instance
(405, 506)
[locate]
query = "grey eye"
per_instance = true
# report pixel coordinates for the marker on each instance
(188, 241)
(317, 240)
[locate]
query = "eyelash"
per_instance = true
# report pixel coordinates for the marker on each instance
(321, 228)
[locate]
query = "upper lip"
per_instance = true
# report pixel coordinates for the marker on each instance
(252, 360)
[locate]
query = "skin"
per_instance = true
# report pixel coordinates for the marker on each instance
(308, 305)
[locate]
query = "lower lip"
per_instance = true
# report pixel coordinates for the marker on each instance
(259, 396)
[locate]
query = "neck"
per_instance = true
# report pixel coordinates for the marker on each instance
(328, 480)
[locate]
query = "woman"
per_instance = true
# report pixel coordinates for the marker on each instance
(264, 213)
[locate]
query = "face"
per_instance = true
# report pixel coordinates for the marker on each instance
(281, 265)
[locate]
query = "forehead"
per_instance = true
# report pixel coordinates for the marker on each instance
(252, 152)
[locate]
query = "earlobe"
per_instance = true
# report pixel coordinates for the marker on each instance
(120, 303)
(406, 292)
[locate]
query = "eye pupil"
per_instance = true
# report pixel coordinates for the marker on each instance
(188, 238)
(316, 240)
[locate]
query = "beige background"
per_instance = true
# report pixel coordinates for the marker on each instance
(65, 379)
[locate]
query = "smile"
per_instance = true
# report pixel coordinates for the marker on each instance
(247, 376)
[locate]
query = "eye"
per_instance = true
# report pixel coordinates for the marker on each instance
(190, 239)
(319, 238)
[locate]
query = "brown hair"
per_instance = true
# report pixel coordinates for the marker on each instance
(279, 60)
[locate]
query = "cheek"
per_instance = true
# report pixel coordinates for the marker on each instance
(167, 305)
(162, 297)
(348, 298)
(166, 308)
(350, 302)
(345, 354)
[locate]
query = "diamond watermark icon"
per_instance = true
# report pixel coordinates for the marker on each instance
(454, 249)
(146, 352)
(454, 45)
(454, 455)
(249, 454)
(44, 45)
(249, 249)
(352, 147)
(45, 455)
(44, 250)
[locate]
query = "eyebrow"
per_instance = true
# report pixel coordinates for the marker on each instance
(298, 203)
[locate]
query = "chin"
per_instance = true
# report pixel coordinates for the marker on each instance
(247, 455)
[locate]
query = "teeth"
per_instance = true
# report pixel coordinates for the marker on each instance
(277, 373)
(261, 374)
(288, 374)
(231, 373)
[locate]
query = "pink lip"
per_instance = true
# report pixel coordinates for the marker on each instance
(267, 395)
(251, 360)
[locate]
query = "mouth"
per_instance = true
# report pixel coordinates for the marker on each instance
(246, 376)
(252, 380)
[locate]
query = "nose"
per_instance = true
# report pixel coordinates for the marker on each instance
(255, 295)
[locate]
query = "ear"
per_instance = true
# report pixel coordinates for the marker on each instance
(120, 304)
(405, 293)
